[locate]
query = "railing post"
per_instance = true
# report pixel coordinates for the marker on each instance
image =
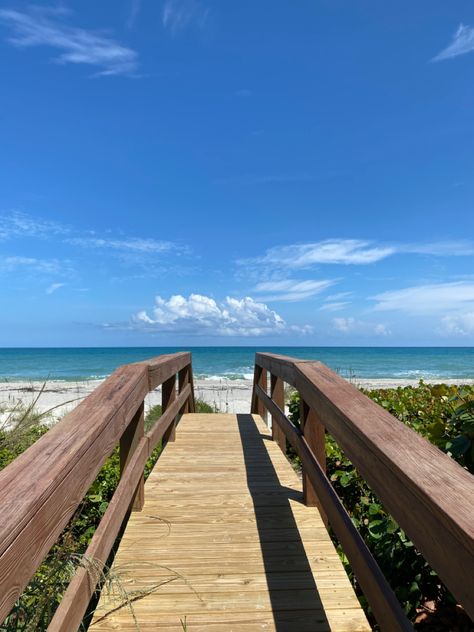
(260, 379)
(128, 442)
(314, 434)
(185, 377)
(168, 395)
(277, 393)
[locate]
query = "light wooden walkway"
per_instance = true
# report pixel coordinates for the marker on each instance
(225, 544)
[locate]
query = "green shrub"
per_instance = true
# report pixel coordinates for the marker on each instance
(445, 416)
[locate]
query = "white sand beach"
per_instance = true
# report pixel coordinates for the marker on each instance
(60, 397)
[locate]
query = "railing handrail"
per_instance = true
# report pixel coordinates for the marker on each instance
(42, 488)
(428, 493)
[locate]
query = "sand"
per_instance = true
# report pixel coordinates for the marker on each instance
(231, 396)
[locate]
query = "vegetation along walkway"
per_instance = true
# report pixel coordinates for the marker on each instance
(224, 536)
(224, 542)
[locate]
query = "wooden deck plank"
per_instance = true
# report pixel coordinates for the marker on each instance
(225, 541)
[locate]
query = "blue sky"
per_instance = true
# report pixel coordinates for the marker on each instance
(200, 172)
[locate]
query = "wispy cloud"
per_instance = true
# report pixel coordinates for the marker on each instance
(41, 27)
(35, 265)
(334, 307)
(54, 287)
(330, 251)
(462, 43)
(427, 299)
(291, 289)
(181, 14)
(17, 224)
(132, 244)
(344, 252)
(135, 8)
(198, 315)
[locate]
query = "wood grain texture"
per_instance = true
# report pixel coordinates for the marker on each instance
(168, 396)
(225, 541)
(42, 488)
(314, 434)
(277, 393)
(73, 605)
(160, 427)
(163, 367)
(426, 491)
(381, 598)
(129, 441)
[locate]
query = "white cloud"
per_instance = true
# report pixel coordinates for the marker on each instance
(41, 27)
(344, 324)
(334, 307)
(17, 224)
(198, 314)
(134, 244)
(351, 325)
(53, 287)
(32, 264)
(427, 299)
(463, 42)
(180, 14)
(335, 251)
(343, 252)
(382, 330)
(291, 289)
(459, 325)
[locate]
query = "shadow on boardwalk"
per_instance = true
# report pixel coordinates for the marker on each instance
(295, 601)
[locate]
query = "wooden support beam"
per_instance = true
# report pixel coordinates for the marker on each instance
(183, 381)
(128, 444)
(168, 395)
(277, 393)
(315, 436)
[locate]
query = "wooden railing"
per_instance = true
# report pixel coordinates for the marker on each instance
(41, 490)
(427, 493)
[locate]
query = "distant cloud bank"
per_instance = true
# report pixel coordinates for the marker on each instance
(198, 314)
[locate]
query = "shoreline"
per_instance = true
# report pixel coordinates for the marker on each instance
(233, 396)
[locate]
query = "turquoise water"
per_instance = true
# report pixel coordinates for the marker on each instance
(237, 362)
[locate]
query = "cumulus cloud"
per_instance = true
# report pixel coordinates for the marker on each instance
(462, 43)
(427, 299)
(198, 315)
(38, 26)
(181, 14)
(344, 324)
(458, 325)
(291, 289)
(350, 325)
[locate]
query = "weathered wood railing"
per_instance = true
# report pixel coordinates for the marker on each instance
(42, 488)
(427, 492)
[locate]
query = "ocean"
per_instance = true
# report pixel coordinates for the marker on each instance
(76, 364)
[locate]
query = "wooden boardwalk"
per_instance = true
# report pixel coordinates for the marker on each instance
(224, 542)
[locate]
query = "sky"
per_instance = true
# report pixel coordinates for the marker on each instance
(195, 172)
